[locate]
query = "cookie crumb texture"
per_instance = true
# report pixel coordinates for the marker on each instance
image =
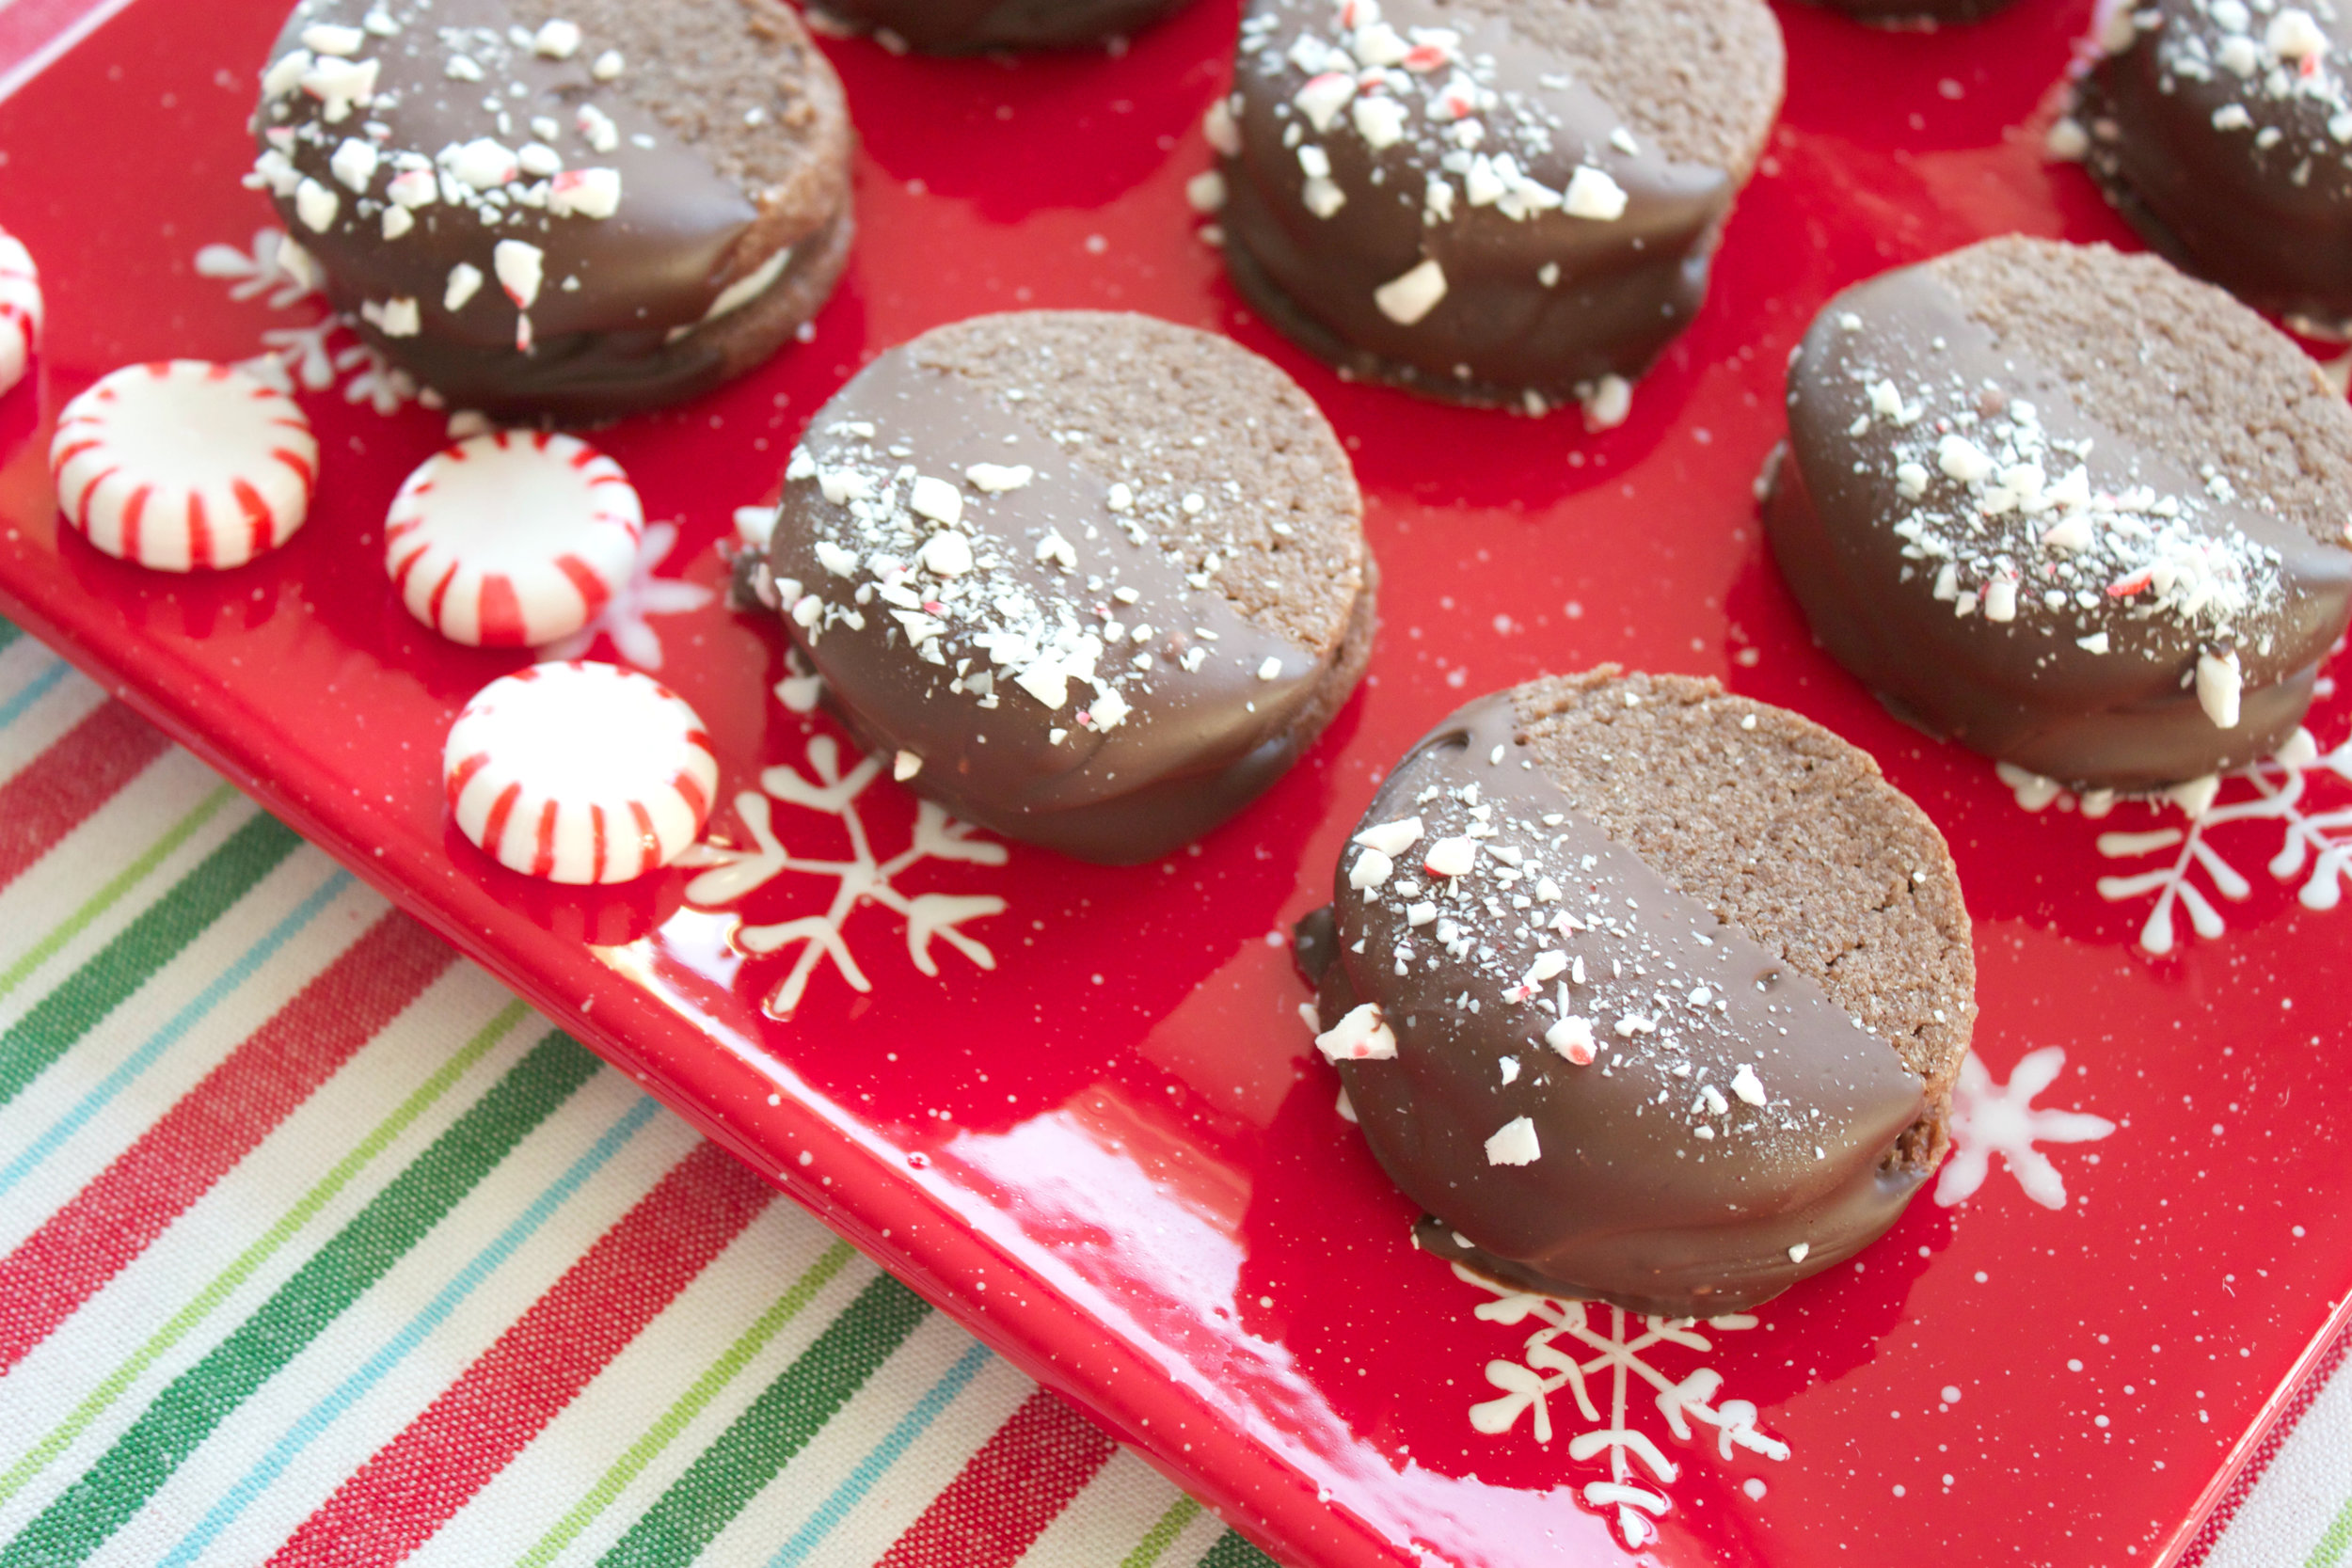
(2069, 508)
(1673, 985)
(572, 209)
(2223, 132)
(965, 26)
(1506, 204)
(1095, 579)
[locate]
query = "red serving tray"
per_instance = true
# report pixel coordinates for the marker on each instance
(1109, 1149)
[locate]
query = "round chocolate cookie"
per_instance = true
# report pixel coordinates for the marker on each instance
(1648, 993)
(965, 26)
(1510, 202)
(1088, 580)
(2223, 132)
(573, 210)
(2069, 508)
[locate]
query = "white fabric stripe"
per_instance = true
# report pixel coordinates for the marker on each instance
(73, 872)
(2307, 1485)
(785, 1504)
(1104, 1521)
(507, 1517)
(407, 1287)
(55, 1377)
(47, 720)
(183, 1062)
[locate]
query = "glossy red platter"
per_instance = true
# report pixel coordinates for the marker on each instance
(1082, 1114)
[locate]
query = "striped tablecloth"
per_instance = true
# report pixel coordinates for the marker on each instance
(317, 1248)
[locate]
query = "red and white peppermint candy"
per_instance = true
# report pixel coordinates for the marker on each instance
(181, 465)
(580, 774)
(20, 309)
(512, 539)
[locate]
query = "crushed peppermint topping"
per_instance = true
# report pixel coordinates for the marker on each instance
(2289, 96)
(1362, 1035)
(1391, 838)
(1353, 72)
(520, 268)
(1513, 1144)
(1573, 1038)
(996, 478)
(1407, 298)
(2003, 521)
(515, 173)
(1451, 857)
(932, 553)
(1597, 981)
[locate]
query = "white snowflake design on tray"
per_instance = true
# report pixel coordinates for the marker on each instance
(2314, 844)
(831, 789)
(1552, 1361)
(313, 357)
(623, 618)
(1990, 1118)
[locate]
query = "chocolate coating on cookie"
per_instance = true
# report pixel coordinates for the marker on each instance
(1915, 13)
(575, 215)
(2223, 132)
(1490, 203)
(1091, 580)
(1596, 1083)
(2069, 509)
(965, 26)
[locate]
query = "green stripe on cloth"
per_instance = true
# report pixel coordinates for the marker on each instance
(169, 1430)
(1156, 1540)
(110, 894)
(144, 946)
(1232, 1551)
(707, 1388)
(788, 1412)
(208, 1300)
(8, 635)
(2332, 1544)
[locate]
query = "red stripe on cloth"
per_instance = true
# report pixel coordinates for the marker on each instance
(2324, 1369)
(418, 1481)
(80, 772)
(214, 1125)
(1022, 1478)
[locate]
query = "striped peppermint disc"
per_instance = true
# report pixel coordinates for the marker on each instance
(20, 309)
(512, 539)
(580, 773)
(181, 464)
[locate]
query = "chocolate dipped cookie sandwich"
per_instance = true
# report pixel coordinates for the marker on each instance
(1506, 203)
(1647, 993)
(2069, 508)
(1089, 579)
(2223, 132)
(574, 209)
(968, 26)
